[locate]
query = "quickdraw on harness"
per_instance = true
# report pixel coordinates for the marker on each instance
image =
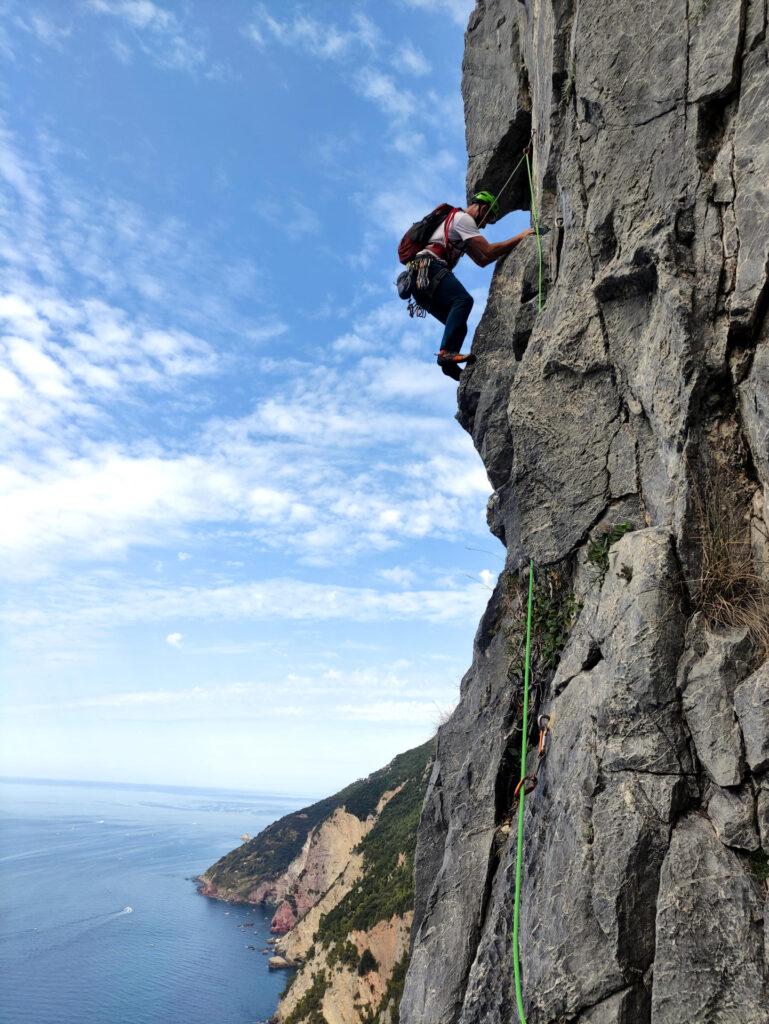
(526, 785)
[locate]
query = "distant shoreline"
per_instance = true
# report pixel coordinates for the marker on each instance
(300, 799)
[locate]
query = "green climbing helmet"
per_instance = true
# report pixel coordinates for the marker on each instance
(489, 200)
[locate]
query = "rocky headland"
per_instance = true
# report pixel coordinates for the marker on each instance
(339, 875)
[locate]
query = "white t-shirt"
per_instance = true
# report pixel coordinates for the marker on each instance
(462, 229)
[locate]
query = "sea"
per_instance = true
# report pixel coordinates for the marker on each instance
(100, 919)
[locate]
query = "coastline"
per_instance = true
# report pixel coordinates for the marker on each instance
(175, 957)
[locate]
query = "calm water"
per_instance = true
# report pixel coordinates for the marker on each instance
(75, 858)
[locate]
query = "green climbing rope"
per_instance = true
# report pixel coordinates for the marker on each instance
(535, 218)
(510, 177)
(521, 799)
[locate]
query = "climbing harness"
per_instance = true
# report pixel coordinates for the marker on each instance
(526, 785)
(422, 277)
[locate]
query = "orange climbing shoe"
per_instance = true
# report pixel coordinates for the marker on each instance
(445, 357)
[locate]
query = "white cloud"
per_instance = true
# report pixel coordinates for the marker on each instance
(253, 33)
(88, 243)
(412, 711)
(76, 620)
(317, 38)
(46, 29)
(156, 31)
(272, 327)
(293, 218)
(399, 575)
(137, 699)
(184, 556)
(267, 600)
(15, 171)
(382, 90)
(138, 13)
(412, 59)
(61, 360)
(282, 492)
(488, 578)
(301, 696)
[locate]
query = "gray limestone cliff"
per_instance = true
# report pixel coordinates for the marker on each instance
(625, 430)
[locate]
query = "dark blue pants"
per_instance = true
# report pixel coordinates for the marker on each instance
(450, 303)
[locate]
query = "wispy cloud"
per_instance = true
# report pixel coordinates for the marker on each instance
(401, 575)
(412, 59)
(69, 364)
(48, 29)
(60, 360)
(317, 38)
(404, 690)
(279, 495)
(53, 230)
(292, 216)
(382, 89)
(156, 31)
(96, 608)
(411, 711)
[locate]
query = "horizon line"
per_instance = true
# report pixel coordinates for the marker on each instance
(167, 786)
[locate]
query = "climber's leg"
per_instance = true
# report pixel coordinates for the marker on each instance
(455, 303)
(450, 303)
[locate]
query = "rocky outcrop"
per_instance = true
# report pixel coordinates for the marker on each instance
(751, 704)
(298, 942)
(350, 994)
(284, 918)
(343, 900)
(625, 430)
(322, 860)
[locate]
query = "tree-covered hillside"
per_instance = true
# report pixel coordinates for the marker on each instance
(268, 854)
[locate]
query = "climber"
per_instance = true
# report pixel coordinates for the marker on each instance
(431, 282)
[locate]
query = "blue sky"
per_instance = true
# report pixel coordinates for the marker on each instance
(244, 539)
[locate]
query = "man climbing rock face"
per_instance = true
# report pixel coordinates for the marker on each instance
(433, 285)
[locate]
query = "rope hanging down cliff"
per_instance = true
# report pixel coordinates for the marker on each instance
(526, 785)
(534, 216)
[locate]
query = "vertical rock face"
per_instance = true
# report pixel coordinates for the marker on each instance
(625, 430)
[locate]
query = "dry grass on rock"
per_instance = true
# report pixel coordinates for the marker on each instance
(731, 590)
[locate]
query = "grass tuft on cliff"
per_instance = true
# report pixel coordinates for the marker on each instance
(730, 589)
(268, 854)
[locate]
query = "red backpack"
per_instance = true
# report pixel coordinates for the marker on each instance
(420, 232)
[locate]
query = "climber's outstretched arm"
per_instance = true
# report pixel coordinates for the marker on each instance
(483, 253)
